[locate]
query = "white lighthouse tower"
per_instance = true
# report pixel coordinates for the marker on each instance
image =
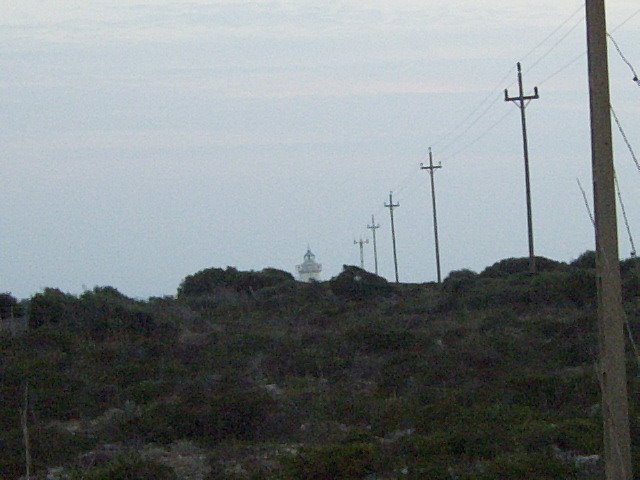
(309, 269)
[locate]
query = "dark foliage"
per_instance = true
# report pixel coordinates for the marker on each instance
(357, 284)
(477, 379)
(586, 261)
(9, 306)
(510, 266)
(212, 280)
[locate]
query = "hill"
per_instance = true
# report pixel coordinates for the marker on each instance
(252, 375)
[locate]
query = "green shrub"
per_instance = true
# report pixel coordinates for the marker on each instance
(520, 466)
(378, 336)
(510, 266)
(574, 286)
(455, 287)
(127, 467)
(344, 461)
(9, 306)
(52, 306)
(357, 284)
(210, 280)
(585, 261)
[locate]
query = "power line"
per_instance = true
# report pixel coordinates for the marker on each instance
(474, 122)
(584, 53)
(615, 44)
(624, 137)
(471, 119)
(471, 113)
(563, 68)
(586, 202)
(479, 137)
(557, 29)
(558, 42)
(620, 25)
(462, 123)
(624, 215)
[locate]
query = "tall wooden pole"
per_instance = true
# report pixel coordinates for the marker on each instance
(361, 243)
(521, 101)
(611, 368)
(373, 227)
(431, 167)
(391, 206)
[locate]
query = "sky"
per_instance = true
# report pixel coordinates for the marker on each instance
(143, 141)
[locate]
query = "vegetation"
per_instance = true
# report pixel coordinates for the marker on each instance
(256, 376)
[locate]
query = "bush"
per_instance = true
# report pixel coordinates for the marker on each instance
(9, 306)
(357, 284)
(127, 467)
(212, 417)
(210, 280)
(52, 306)
(575, 286)
(352, 461)
(510, 266)
(586, 261)
(519, 466)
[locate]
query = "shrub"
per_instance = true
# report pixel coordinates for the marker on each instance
(518, 466)
(459, 281)
(357, 284)
(127, 467)
(52, 306)
(9, 306)
(576, 286)
(210, 280)
(352, 461)
(585, 261)
(510, 266)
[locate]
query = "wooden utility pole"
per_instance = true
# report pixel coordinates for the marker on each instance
(522, 101)
(611, 368)
(391, 206)
(361, 243)
(431, 167)
(373, 227)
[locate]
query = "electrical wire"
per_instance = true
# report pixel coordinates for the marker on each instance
(555, 45)
(624, 137)
(481, 136)
(620, 25)
(556, 30)
(624, 216)
(463, 128)
(586, 202)
(471, 119)
(478, 106)
(615, 44)
(563, 68)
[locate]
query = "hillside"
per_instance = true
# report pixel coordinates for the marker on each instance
(252, 375)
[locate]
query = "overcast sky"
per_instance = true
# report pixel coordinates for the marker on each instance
(144, 141)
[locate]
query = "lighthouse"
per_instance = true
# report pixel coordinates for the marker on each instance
(309, 270)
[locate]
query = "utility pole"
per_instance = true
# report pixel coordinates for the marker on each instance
(391, 206)
(522, 101)
(431, 167)
(373, 227)
(611, 368)
(361, 243)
